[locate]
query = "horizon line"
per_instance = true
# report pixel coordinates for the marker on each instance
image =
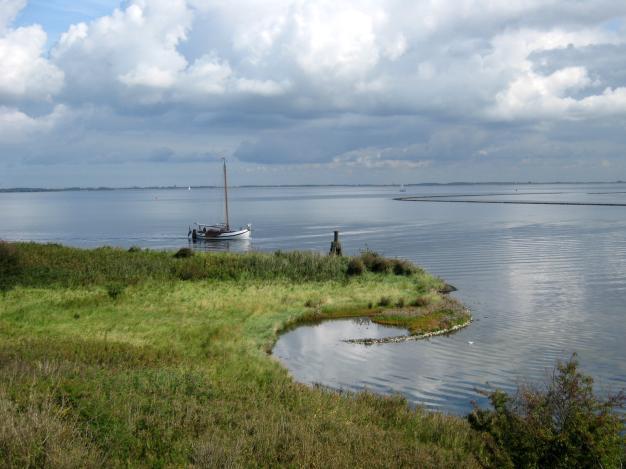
(175, 186)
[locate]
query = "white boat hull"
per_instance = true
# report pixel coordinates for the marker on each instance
(237, 234)
(219, 233)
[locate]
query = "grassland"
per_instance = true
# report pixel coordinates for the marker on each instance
(137, 359)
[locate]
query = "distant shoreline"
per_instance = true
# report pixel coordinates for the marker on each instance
(423, 184)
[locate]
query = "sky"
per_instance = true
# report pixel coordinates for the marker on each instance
(156, 92)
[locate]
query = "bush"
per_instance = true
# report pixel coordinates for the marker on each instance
(368, 257)
(192, 271)
(563, 425)
(114, 290)
(9, 264)
(134, 249)
(384, 301)
(314, 302)
(421, 301)
(355, 266)
(401, 267)
(380, 265)
(183, 253)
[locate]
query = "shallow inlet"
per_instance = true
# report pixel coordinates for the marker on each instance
(319, 354)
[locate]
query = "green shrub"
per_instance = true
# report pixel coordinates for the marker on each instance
(402, 267)
(313, 303)
(192, 271)
(563, 425)
(384, 301)
(183, 253)
(355, 266)
(380, 265)
(10, 264)
(115, 289)
(368, 257)
(134, 249)
(421, 301)
(400, 303)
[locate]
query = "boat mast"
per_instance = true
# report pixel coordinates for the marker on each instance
(226, 196)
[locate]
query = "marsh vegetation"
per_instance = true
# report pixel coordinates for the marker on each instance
(115, 358)
(144, 359)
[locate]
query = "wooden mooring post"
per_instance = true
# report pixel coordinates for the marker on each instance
(335, 246)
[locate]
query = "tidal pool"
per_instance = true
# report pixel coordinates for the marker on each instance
(319, 354)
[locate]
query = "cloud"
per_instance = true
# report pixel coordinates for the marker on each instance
(535, 96)
(377, 158)
(336, 40)
(24, 73)
(133, 57)
(8, 11)
(131, 49)
(370, 57)
(18, 127)
(360, 84)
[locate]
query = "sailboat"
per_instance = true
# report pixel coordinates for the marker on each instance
(220, 231)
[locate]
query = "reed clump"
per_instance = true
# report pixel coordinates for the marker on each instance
(10, 264)
(183, 253)
(115, 289)
(374, 262)
(355, 266)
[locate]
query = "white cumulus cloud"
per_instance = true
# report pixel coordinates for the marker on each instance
(24, 71)
(17, 126)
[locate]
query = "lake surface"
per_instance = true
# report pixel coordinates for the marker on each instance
(542, 281)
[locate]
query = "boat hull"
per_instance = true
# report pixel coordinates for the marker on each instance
(243, 233)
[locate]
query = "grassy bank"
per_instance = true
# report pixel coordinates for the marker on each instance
(142, 359)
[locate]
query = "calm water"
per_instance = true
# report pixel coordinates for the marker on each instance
(542, 281)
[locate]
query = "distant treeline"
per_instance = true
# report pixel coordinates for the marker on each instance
(419, 184)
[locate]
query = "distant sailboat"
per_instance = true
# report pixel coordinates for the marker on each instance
(220, 231)
(189, 188)
(402, 189)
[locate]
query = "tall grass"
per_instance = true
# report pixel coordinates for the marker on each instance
(47, 265)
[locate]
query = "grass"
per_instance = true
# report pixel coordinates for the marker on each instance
(114, 358)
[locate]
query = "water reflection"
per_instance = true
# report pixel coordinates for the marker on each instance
(344, 363)
(226, 245)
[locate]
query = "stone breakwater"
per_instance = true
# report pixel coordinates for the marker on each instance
(407, 338)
